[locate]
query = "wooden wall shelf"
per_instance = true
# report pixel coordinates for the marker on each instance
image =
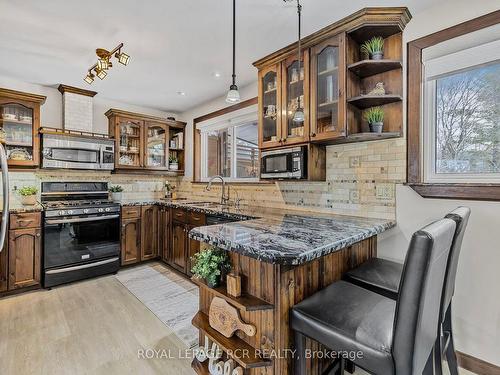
(367, 68)
(230, 345)
(367, 101)
(246, 302)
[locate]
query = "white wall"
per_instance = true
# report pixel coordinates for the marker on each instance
(51, 110)
(476, 304)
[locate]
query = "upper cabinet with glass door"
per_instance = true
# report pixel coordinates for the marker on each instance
(270, 106)
(327, 88)
(156, 145)
(129, 148)
(295, 81)
(20, 121)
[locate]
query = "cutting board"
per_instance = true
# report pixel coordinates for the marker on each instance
(225, 319)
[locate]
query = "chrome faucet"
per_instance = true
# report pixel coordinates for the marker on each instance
(224, 199)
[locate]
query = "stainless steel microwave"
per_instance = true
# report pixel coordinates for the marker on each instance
(70, 152)
(288, 163)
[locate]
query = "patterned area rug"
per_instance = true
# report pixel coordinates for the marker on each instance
(173, 299)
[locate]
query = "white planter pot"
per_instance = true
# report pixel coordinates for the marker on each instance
(28, 200)
(116, 197)
(173, 166)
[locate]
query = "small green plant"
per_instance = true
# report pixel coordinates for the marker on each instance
(374, 45)
(28, 190)
(210, 264)
(172, 159)
(115, 189)
(374, 115)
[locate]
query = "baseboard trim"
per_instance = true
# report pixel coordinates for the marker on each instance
(476, 365)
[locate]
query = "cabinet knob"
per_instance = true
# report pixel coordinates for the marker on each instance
(284, 140)
(313, 135)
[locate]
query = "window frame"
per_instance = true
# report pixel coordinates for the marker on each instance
(473, 191)
(230, 121)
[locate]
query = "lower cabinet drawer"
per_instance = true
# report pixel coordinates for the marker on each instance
(179, 215)
(131, 212)
(25, 220)
(196, 218)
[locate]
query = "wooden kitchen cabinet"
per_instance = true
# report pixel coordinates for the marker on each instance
(145, 143)
(270, 106)
(179, 239)
(24, 258)
(193, 248)
(20, 119)
(131, 241)
(149, 234)
(3, 266)
(164, 232)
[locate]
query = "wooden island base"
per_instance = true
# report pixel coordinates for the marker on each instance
(268, 293)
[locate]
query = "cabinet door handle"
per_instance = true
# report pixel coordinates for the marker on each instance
(313, 135)
(38, 234)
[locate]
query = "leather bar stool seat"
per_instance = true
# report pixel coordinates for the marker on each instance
(347, 316)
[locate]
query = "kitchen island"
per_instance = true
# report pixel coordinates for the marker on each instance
(282, 257)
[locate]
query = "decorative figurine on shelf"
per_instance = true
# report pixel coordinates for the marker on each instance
(378, 89)
(169, 190)
(374, 48)
(375, 118)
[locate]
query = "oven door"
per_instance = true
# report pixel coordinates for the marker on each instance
(276, 164)
(73, 240)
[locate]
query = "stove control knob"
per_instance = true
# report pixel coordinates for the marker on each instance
(85, 210)
(100, 210)
(108, 209)
(70, 212)
(62, 212)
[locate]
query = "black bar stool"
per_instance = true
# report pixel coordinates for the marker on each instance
(383, 277)
(395, 337)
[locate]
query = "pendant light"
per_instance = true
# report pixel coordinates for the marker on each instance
(233, 96)
(298, 116)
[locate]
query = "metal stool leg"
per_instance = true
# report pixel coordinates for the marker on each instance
(438, 355)
(300, 359)
(429, 366)
(451, 357)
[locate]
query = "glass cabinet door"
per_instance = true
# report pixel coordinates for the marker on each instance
(156, 145)
(17, 122)
(130, 143)
(327, 110)
(296, 123)
(269, 106)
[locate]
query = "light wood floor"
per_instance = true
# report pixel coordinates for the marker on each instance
(90, 327)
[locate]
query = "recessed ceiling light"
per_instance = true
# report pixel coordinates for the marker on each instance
(216, 75)
(181, 93)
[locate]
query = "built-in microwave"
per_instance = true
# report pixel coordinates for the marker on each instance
(64, 151)
(288, 163)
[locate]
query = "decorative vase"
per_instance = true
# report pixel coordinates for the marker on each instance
(377, 55)
(376, 127)
(173, 166)
(28, 200)
(116, 196)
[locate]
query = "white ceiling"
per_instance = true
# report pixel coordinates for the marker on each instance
(174, 45)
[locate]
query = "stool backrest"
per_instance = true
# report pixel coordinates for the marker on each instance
(461, 217)
(419, 300)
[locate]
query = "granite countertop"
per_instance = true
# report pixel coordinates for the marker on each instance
(17, 208)
(277, 236)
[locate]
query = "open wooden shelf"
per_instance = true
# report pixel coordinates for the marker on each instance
(367, 68)
(230, 345)
(201, 368)
(246, 302)
(360, 137)
(367, 101)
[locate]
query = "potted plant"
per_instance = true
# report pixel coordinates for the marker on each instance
(173, 163)
(116, 193)
(375, 118)
(374, 48)
(211, 264)
(28, 195)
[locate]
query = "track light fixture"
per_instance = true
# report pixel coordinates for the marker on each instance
(104, 62)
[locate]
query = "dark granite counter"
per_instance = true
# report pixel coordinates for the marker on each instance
(17, 208)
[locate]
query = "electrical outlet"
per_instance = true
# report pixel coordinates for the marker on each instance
(385, 191)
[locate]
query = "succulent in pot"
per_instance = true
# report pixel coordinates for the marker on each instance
(211, 264)
(375, 118)
(28, 195)
(374, 48)
(173, 163)
(116, 193)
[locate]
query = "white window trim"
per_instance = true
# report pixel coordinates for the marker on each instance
(434, 69)
(231, 120)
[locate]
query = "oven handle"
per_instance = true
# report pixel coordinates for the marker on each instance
(81, 219)
(88, 265)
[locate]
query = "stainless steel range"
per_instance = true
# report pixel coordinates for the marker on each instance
(81, 231)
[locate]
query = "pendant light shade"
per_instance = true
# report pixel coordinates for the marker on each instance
(298, 116)
(233, 96)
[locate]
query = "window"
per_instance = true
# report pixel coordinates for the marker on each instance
(462, 116)
(229, 146)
